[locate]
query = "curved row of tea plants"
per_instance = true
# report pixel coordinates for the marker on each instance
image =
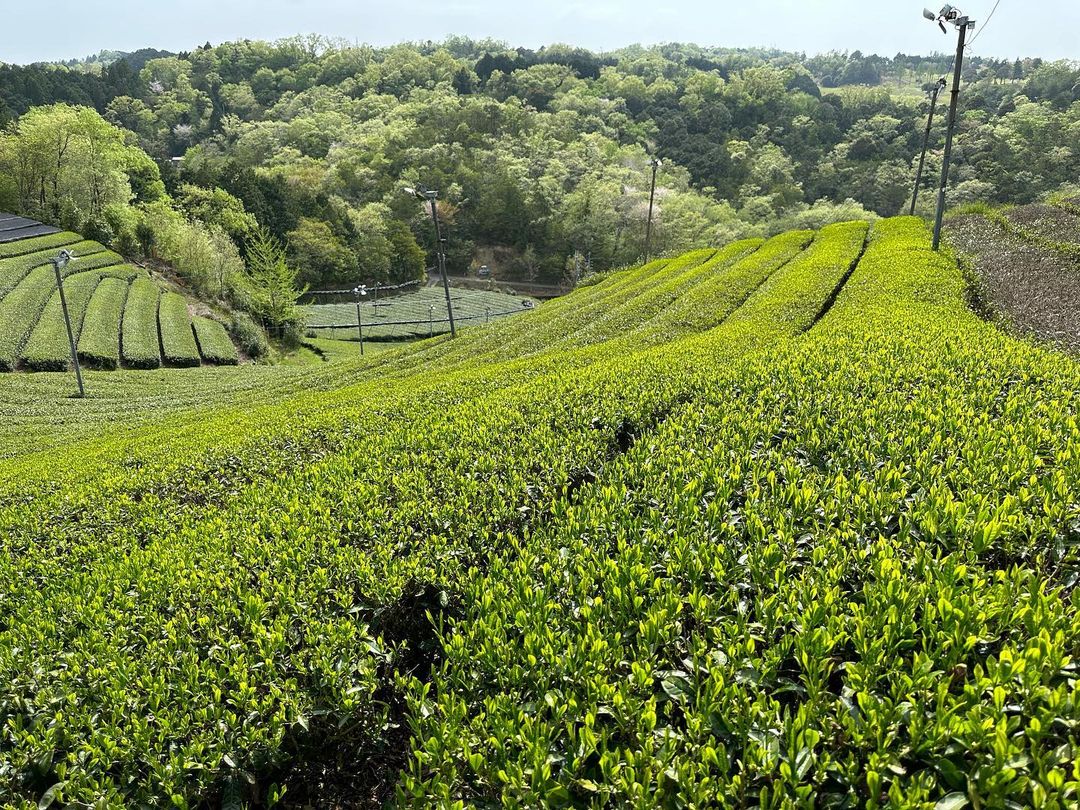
(215, 345)
(841, 575)
(139, 340)
(823, 551)
(159, 515)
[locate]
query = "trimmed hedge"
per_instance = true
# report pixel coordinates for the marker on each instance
(99, 342)
(53, 241)
(214, 343)
(19, 313)
(177, 338)
(139, 339)
(15, 269)
(48, 348)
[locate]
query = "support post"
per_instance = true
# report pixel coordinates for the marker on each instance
(949, 132)
(926, 143)
(359, 323)
(652, 198)
(70, 331)
(442, 262)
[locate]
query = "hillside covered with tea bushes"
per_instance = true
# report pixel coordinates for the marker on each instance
(120, 315)
(779, 524)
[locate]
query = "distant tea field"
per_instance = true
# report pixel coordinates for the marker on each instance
(121, 317)
(421, 313)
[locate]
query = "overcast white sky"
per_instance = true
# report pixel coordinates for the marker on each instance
(58, 29)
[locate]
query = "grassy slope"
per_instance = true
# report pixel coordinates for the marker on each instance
(781, 558)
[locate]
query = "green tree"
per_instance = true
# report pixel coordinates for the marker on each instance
(219, 208)
(273, 282)
(70, 156)
(407, 257)
(319, 255)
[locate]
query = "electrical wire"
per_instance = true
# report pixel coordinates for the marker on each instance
(986, 22)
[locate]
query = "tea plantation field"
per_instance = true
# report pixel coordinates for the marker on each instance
(778, 525)
(421, 313)
(120, 316)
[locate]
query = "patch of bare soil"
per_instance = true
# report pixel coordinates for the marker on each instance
(1035, 290)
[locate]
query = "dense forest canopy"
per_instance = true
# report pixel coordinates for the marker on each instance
(545, 152)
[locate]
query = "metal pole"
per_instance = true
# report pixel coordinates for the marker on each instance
(652, 197)
(70, 332)
(431, 320)
(949, 134)
(359, 323)
(926, 142)
(442, 262)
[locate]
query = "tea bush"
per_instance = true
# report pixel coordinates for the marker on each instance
(812, 541)
(177, 337)
(99, 341)
(139, 338)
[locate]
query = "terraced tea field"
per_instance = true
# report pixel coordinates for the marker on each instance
(120, 316)
(781, 524)
(413, 315)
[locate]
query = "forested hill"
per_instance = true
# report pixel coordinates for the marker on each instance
(547, 152)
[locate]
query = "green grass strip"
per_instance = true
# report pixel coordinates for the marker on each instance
(99, 342)
(177, 338)
(214, 343)
(139, 341)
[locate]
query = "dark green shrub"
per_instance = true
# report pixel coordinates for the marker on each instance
(250, 336)
(98, 230)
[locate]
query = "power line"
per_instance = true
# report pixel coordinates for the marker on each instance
(986, 22)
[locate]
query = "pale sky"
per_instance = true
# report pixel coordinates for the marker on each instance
(59, 29)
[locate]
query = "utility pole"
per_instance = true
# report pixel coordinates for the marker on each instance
(656, 164)
(59, 263)
(962, 23)
(431, 196)
(359, 291)
(938, 86)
